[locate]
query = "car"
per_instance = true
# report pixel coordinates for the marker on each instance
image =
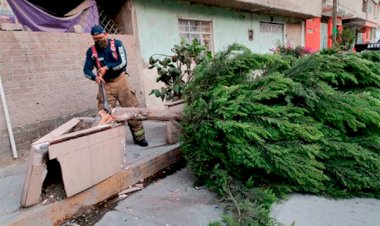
(368, 47)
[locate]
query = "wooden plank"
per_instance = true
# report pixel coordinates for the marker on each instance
(58, 131)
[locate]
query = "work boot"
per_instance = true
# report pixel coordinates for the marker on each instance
(142, 143)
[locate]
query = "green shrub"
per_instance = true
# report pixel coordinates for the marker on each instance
(176, 70)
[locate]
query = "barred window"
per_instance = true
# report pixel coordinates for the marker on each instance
(271, 28)
(365, 6)
(196, 29)
(265, 28)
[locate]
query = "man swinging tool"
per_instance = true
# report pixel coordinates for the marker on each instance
(109, 57)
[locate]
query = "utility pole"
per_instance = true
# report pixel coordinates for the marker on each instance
(334, 28)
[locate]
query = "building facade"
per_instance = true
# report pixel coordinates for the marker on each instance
(360, 16)
(148, 27)
(259, 25)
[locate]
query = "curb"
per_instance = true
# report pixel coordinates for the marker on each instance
(56, 212)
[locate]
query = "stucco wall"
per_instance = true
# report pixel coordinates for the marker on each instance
(157, 22)
(303, 8)
(44, 83)
(157, 30)
(356, 7)
(309, 7)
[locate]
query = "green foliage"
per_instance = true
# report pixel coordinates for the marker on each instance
(176, 71)
(346, 39)
(310, 125)
(344, 42)
(344, 91)
(289, 50)
(335, 49)
(215, 224)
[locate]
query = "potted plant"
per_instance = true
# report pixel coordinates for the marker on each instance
(175, 71)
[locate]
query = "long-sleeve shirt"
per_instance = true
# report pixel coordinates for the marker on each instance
(105, 57)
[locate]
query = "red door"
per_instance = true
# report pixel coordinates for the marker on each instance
(312, 34)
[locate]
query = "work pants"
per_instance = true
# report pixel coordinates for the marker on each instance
(118, 90)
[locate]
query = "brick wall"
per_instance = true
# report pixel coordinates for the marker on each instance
(44, 84)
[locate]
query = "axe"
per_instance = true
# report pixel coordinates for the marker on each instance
(102, 92)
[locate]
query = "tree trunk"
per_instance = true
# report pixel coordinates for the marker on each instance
(125, 114)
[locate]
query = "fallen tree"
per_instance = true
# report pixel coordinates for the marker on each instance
(309, 126)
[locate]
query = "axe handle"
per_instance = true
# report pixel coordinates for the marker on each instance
(102, 92)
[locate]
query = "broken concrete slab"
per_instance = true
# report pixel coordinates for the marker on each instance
(37, 171)
(140, 163)
(79, 153)
(87, 160)
(141, 166)
(173, 132)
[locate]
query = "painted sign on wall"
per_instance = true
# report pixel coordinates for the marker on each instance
(6, 13)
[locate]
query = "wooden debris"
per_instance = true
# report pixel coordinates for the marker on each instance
(105, 118)
(129, 190)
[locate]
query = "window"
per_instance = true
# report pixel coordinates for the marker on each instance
(373, 8)
(365, 5)
(271, 28)
(370, 7)
(196, 29)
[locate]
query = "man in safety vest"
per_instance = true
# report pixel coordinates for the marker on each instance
(109, 57)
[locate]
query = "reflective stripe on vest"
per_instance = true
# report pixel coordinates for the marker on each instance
(113, 49)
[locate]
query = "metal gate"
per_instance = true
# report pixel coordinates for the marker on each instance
(271, 35)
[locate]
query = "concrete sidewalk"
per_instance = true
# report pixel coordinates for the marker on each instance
(169, 201)
(11, 181)
(311, 210)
